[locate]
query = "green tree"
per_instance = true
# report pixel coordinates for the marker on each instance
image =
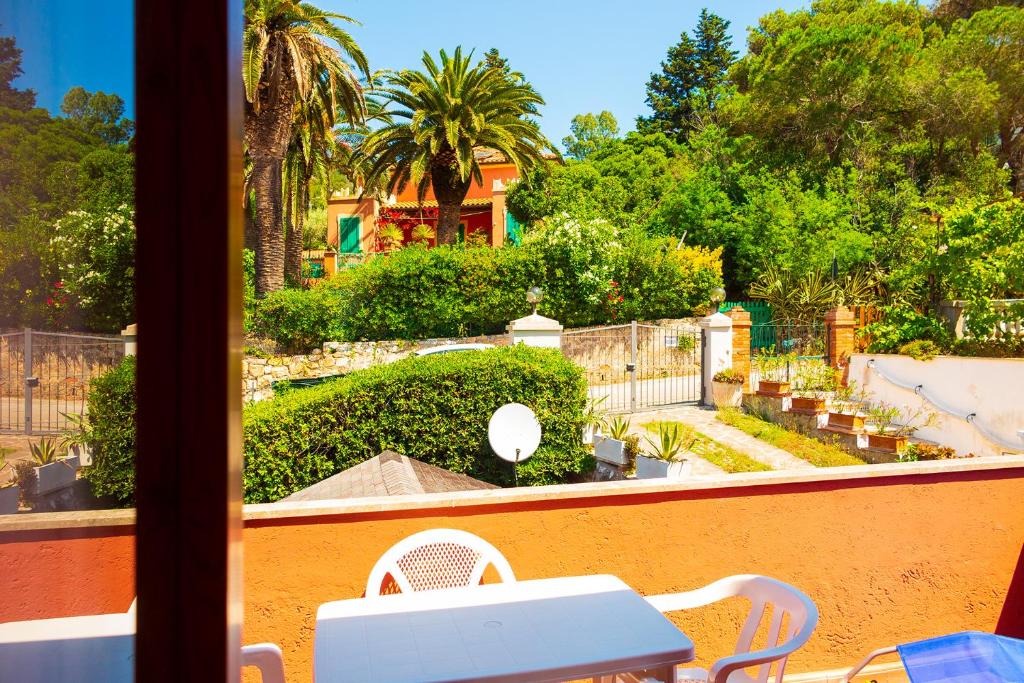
(690, 78)
(284, 60)
(10, 69)
(442, 116)
(98, 114)
(588, 133)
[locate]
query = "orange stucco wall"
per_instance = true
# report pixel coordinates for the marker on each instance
(887, 560)
(366, 209)
(490, 173)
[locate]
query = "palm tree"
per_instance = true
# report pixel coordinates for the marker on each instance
(444, 114)
(286, 60)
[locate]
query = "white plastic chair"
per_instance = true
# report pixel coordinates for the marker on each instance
(763, 592)
(267, 658)
(437, 558)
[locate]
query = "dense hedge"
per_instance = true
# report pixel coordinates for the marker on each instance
(419, 293)
(433, 408)
(111, 433)
(299, 320)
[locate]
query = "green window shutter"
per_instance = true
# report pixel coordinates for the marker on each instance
(513, 230)
(349, 229)
(462, 232)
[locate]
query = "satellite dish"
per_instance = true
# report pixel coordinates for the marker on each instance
(514, 432)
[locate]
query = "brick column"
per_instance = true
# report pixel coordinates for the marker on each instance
(839, 324)
(741, 343)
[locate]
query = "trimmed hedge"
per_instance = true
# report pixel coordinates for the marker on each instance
(434, 408)
(112, 434)
(419, 293)
(299, 320)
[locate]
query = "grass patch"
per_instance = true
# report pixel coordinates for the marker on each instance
(729, 459)
(818, 453)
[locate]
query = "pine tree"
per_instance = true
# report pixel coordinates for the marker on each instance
(10, 69)
(694, 68)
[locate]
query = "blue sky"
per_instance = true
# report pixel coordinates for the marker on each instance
(582, 55)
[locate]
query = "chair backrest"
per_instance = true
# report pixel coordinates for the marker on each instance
(437, 558)
(785, 602)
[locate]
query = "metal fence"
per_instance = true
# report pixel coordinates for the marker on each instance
(637, 365)
(45, 376)
(790, 345)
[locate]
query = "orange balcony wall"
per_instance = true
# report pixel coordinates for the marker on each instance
(889, 553)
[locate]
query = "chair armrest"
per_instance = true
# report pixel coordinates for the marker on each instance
(673, 602)
(267, 658)
(723, 668)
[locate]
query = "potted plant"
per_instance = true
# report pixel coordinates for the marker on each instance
(594, 419)
(893, 427)
(9, 490)
(612, 448)
(815, 381)
(53, 471)
(665, 456)
(75, 439)
(845, 414)
(770, 367)
(727, 389)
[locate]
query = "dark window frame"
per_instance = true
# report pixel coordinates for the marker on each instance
(189, 110)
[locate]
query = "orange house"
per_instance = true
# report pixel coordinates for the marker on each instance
(352, 220)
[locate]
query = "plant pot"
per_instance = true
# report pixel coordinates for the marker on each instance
(609, 450)
(847, 423)
(83, 452)
(803, 405)
(887, 443)
(727, 394)
(680, 469)
(651, 468)
(56, 476)
(9, 496)
(774, 389)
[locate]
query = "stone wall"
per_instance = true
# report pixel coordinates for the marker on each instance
(335, 358)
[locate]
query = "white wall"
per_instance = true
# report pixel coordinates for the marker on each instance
(993, 388)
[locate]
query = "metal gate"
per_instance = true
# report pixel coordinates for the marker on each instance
(44, 377)
(791, 345)
(637, 365)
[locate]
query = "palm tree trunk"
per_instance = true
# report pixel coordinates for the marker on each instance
(251, 236)
(448, 223)
(266, 175)
(293, 240)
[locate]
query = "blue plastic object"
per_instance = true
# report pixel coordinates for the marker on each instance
(961, 657)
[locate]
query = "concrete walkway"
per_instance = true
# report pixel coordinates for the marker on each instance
(705, 421)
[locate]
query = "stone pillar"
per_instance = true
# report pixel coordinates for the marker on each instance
(716, 350)
(330, 262)
(536, 330)
(839, 326)
(128, 335)
(741, 343)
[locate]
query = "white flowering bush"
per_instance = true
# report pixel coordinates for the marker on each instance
(578, 254)
(94, 256)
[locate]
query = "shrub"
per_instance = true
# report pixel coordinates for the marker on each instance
(433, 408)
(728, 376)
(921, 349)
(112, 433)
(299, 319)
(248, 289)
(900, 325)
(419, 293)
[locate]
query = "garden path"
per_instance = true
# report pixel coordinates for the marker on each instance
(705, 421)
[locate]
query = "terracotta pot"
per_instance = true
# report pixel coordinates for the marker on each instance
(773, 389)
(803, 405)
(887, 443)
(850, 423)
(727, 394)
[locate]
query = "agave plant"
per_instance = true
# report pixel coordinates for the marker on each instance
(45, 452)
(672, 440)
(618, 428)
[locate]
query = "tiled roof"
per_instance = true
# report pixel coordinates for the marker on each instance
(432, 203)
(388, 474)
(487, 155)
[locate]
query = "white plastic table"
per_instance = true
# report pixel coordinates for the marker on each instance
(545, 630)
(93, 649)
